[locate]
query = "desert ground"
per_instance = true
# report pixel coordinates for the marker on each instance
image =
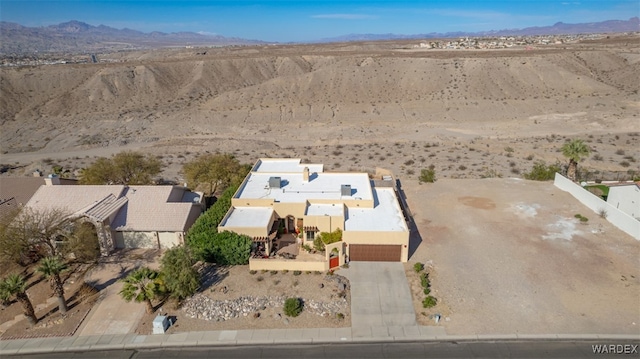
(506, 255)
(355, 106)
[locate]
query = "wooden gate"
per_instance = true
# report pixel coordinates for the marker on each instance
(334, 262)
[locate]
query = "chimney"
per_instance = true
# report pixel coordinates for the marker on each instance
(305, 174)
(52, 180)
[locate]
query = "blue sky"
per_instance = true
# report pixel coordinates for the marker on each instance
(307, 20)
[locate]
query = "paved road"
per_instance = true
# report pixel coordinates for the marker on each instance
(381, 303)
(443, 349)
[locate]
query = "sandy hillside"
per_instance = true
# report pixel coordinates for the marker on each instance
(351, 106)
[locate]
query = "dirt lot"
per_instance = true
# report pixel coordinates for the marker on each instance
(508, 256)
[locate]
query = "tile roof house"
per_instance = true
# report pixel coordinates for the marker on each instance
(304, 200)
(126, 216)
(17, 191)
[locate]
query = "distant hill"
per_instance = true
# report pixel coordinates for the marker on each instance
(560, 28)
(76, 37)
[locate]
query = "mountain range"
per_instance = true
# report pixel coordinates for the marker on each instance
(76, 36)
(79, 37)
(560, 28)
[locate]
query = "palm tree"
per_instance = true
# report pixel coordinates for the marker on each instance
(575, 151)
(51, 267)
(15, 284)
(142, 285)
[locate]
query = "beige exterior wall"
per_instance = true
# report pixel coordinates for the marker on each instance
(288, 264)
(324, 223)
(358, 237)
(355, 203)
(153, 240)
(169, 239)
(295, 209)
(136, 240)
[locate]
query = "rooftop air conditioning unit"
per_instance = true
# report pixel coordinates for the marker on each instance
(275, 182)
(345, 190)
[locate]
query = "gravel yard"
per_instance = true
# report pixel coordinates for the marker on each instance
(508, 256)
(234, 298)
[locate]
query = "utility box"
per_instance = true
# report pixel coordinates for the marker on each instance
(160, 324)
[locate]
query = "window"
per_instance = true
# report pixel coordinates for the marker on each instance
(311, 235)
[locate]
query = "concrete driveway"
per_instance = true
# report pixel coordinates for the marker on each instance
(380, 299)
(112, 315)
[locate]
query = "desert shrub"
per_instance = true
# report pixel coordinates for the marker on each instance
(427, 175)
(292, 307)
(424, 280)
(340, 316)
(418, 267)
(252, 272)
(429, 302)
(274, 272)
(259, 278)
(542, 172)
(297, 272)
(86, 292)
(603, 213)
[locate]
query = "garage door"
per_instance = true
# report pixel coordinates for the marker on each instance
(375, 252)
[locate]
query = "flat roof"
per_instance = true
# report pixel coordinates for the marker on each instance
(288, 165)
(249, 217)
(320, 209)
(385, 216)
(294, 189)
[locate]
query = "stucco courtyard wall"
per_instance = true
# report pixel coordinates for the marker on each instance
(618, 218)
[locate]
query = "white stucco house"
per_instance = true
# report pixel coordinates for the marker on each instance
(626, 197)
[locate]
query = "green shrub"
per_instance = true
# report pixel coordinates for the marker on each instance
(578, 215)
(426, 291)
(427, 175)
(424, 280)
(325, 238)
(584, 219)
(418, 267)
(292, 307)
(340, 316)
(429, 302)
(199, 238)
(180, 278)
(542, 172)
